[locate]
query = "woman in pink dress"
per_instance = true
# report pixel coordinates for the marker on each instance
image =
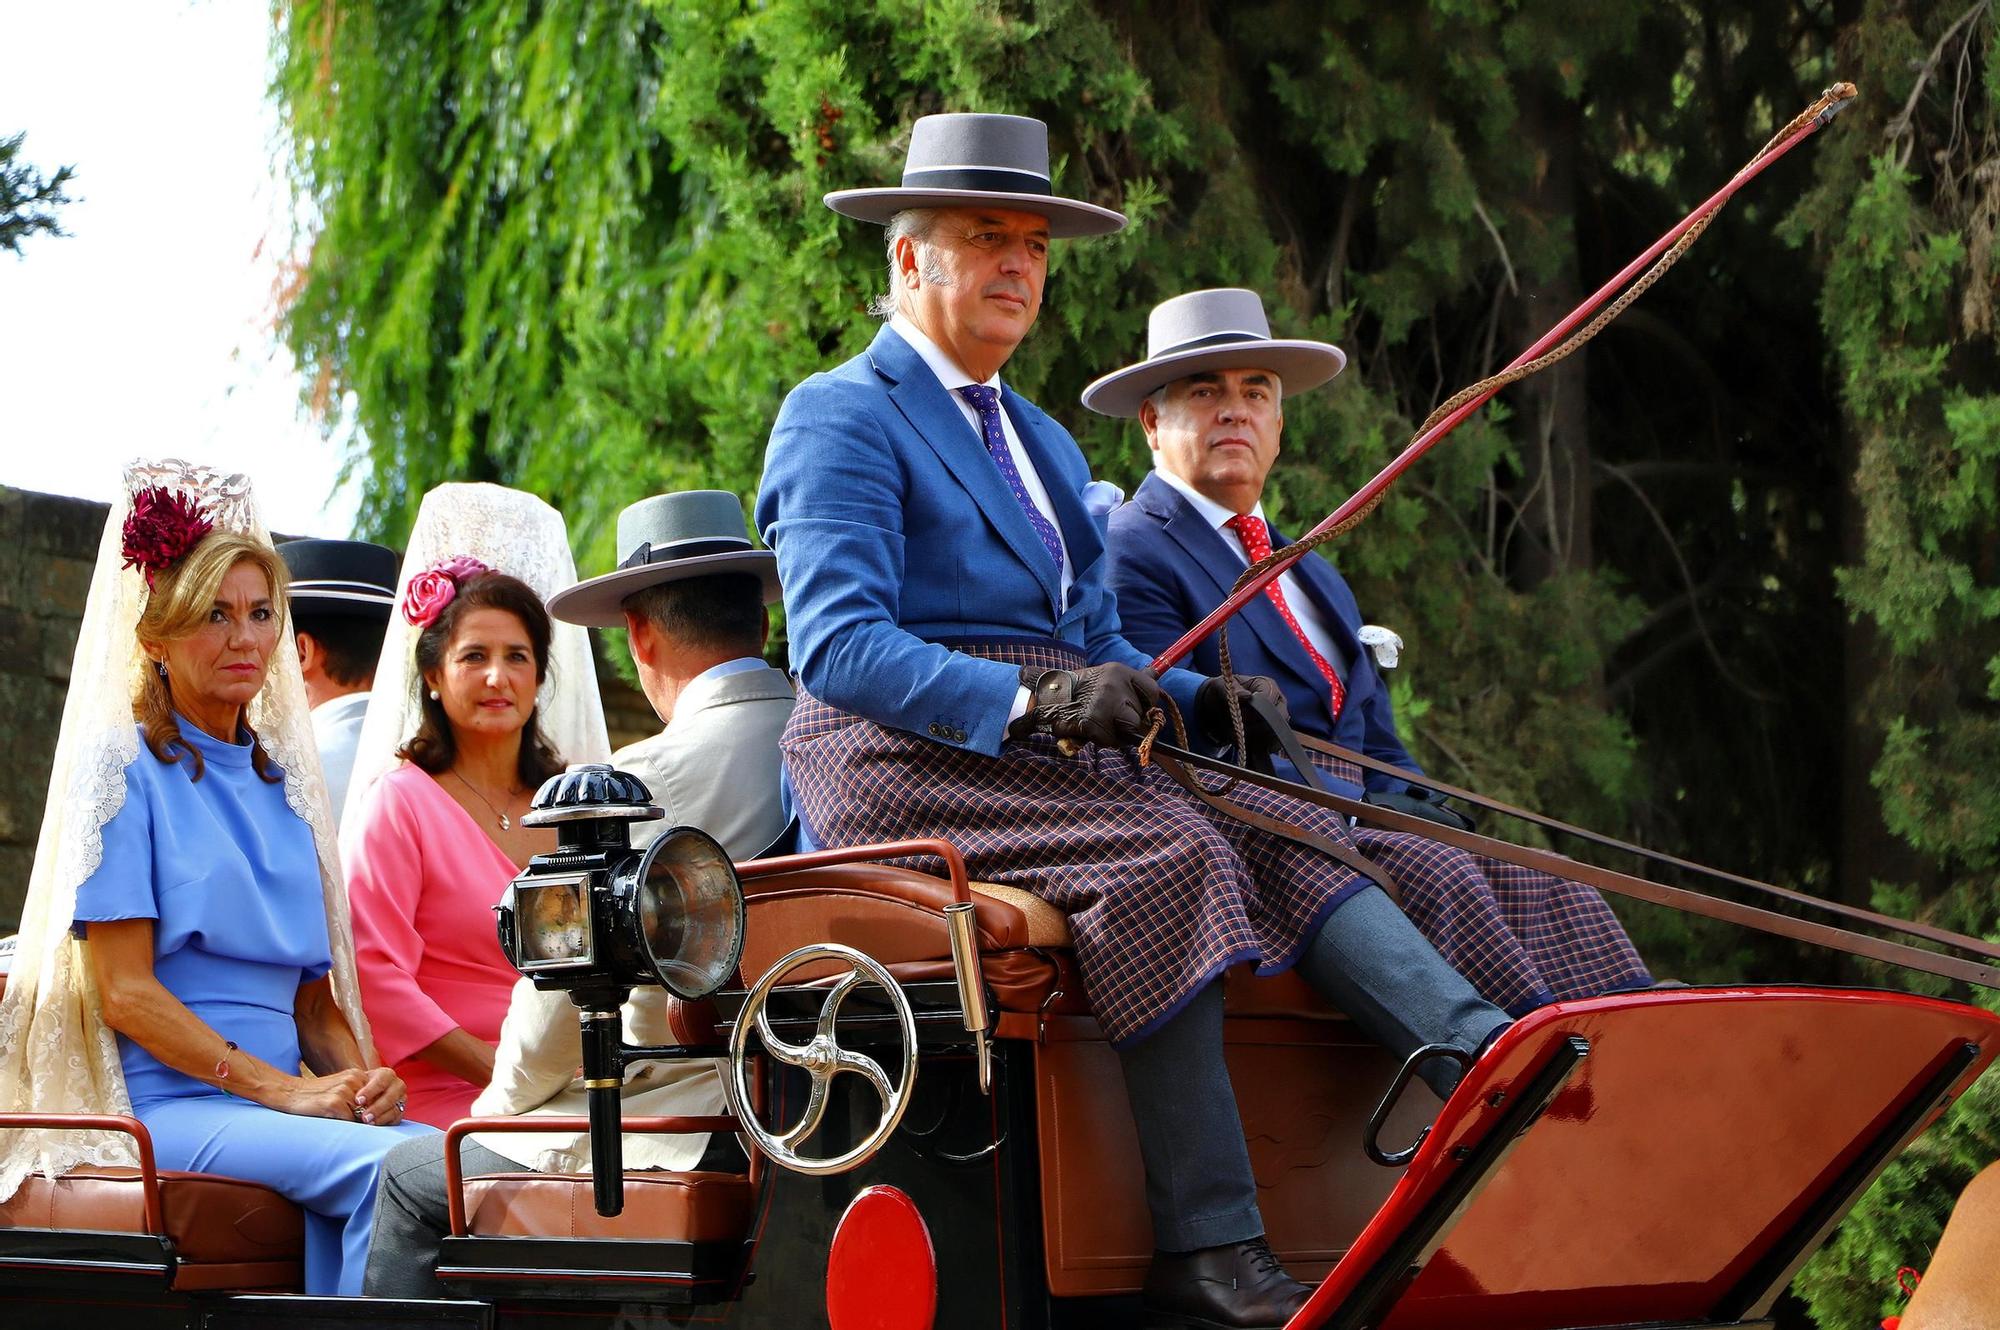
(438, 837)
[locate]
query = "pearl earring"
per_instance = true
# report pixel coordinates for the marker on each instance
(434, 692)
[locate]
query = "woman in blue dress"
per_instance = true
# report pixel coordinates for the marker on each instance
(205, 923)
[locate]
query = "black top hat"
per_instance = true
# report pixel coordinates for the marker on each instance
(348, 577)
(695, 533)
(963, 160)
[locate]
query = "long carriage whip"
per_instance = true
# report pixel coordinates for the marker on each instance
(1666, 250)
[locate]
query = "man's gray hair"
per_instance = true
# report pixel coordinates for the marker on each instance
(917, 224)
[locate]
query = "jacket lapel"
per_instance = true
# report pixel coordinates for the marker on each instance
(932, 413)
(1043, 438)
(1209, 551)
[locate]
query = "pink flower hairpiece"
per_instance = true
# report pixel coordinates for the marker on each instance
(436, 587)
(162, 528)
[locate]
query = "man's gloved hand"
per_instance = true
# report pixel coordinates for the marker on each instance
(1211, 710)
(1419, 802)
(1099, 704)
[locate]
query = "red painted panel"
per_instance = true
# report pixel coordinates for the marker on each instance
(881, 1273)
(1697, 1130)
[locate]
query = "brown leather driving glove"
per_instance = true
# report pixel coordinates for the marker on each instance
(1099, 704)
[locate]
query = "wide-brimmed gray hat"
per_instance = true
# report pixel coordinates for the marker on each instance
(1205, 331)
(962, 160)
(695, 533)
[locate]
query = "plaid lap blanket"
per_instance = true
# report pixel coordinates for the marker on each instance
(1162, 894)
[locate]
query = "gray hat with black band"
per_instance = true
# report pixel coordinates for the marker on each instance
(668, 538)
(348, 578)
(962, 160)
(1206, 332)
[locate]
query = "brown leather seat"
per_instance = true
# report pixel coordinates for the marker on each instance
(897, 916)
(684, 1207)
(227, 1233)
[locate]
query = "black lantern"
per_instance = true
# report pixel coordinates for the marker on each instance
(596, 918)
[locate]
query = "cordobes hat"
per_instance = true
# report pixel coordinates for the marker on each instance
(353, 578)
(1207, 331)
(963, 160)
(695, 533)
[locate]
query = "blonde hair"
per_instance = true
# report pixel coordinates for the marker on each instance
(178, 608)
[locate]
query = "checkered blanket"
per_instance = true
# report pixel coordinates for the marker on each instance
(1163, 893)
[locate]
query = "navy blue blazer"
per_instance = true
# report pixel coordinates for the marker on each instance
(894, 532)
(1169, 567)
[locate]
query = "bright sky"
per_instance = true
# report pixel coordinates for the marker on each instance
(147, 330)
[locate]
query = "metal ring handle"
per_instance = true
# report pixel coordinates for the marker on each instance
(822, 1058)
(1371, 1139)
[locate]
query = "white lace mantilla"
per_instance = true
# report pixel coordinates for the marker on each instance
(56, 1053)
(515, 533)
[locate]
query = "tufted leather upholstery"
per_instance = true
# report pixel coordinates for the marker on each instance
(227, 1233)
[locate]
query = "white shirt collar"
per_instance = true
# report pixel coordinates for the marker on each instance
(1212, 512)
(338, 708)
(729, 667)
(947, 370)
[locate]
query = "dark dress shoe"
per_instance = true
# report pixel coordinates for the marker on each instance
(1240, 1286)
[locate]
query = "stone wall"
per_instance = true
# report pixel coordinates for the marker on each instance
(47, 546)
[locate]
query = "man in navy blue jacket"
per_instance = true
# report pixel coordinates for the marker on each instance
(949, 622)
(1209, 397)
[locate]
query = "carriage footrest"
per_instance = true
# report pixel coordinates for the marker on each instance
(663, 1271)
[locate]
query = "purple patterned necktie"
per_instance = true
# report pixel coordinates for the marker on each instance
(987, 403)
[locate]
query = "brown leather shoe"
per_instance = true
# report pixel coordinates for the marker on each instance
(1240, 1286)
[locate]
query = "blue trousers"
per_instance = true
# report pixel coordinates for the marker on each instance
(1368, 960)
(327, 1167)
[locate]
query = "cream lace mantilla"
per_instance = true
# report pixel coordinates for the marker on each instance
(56, 1053)
(517, 534)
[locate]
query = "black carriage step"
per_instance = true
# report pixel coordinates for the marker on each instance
(293, 1311)
(659, 1271)
(58, 1257)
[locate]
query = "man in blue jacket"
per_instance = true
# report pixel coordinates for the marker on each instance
(949, 622)
(1210, 398)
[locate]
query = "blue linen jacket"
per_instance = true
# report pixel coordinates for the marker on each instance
(895, 532)
(1169, 567)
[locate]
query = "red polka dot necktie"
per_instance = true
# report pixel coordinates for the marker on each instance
(1256, 540)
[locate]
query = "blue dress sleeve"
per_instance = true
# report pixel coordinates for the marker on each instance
(123, 886)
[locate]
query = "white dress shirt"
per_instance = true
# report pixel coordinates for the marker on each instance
(1304, 608)
(953, 378)
(336, 725)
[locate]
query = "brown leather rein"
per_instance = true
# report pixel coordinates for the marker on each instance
(1178, 762)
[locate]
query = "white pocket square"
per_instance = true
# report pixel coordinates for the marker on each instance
(1383, 642)
(1100, 497)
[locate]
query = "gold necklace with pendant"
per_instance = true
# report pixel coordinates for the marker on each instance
(506, 823)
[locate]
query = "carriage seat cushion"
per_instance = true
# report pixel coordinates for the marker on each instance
(255, 1237)
(896, 916)
(685, 1207)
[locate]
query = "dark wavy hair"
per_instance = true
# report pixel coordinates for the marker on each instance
(434, 747)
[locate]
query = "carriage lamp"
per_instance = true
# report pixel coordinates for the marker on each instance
(596, 918)
(596, 914)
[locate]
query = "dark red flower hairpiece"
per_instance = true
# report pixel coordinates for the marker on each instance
(163, 526)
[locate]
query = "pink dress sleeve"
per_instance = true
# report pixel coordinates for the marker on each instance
(383, 855)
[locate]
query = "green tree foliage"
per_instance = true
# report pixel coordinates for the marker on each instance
(1902, 224)
(580, 248)
(28, 199)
